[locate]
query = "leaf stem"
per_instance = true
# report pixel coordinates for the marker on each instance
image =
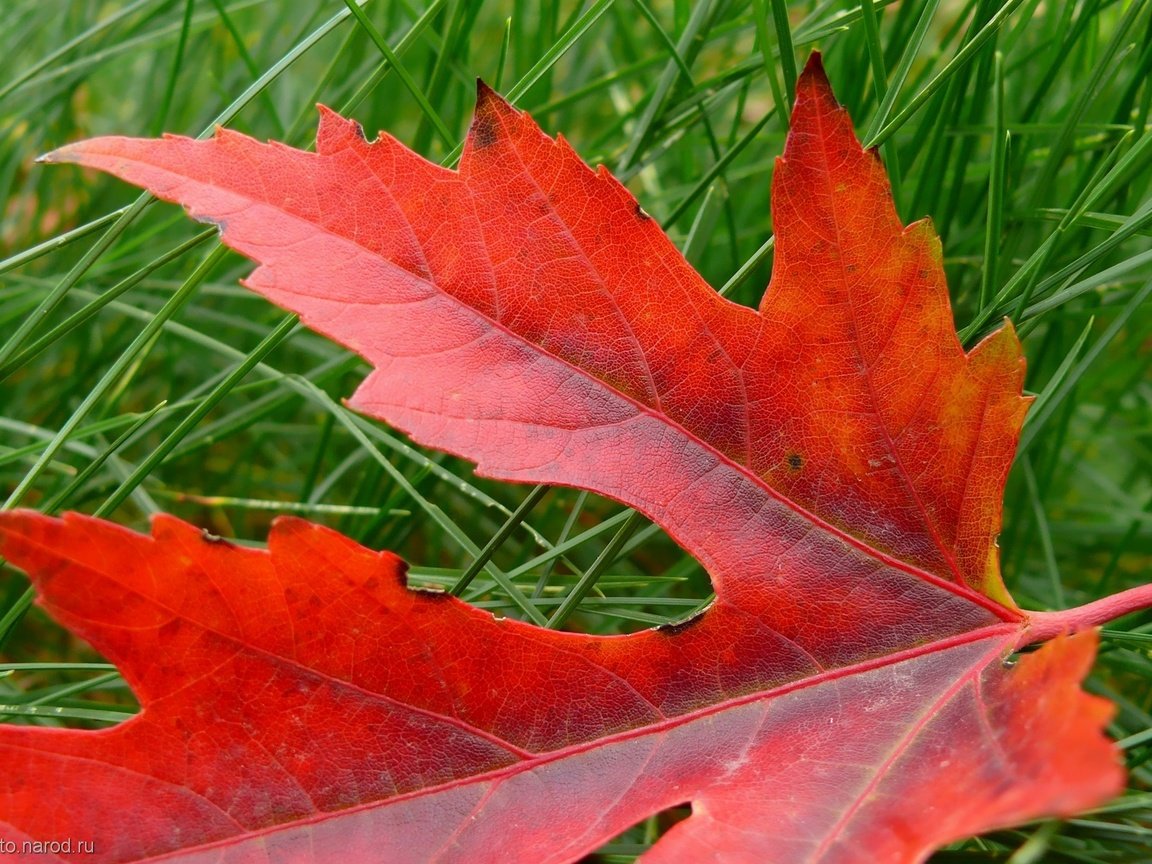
(1045, 625)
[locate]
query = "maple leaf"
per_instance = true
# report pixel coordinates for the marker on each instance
(834, 458)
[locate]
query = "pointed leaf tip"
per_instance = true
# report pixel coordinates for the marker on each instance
(814, 89)
(814, 68)
(336, 132)
(488, 98)
(490, 105)
(59, 155)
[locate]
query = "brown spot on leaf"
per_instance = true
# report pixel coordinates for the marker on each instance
(795, 461)
(429, 591)
(680, 626)
(483, 130)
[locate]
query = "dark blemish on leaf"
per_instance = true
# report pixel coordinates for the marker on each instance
(641, 213)
(215, 539)
(483, 130)
(401, 573)
(680, 626)
(795, 461)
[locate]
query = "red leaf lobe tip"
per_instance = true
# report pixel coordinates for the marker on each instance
(490, 108)
(335, 133)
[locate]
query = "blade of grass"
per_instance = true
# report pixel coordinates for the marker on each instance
(497, 540)
(1000, 143)
(402, 73)
(112, 377)
(590, 576)
(883, 132)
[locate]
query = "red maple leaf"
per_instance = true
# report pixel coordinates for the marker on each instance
(834, 459)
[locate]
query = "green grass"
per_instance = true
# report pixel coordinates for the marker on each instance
(138, 376)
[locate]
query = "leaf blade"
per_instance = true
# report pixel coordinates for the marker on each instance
(834, 458)
(251, 775)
